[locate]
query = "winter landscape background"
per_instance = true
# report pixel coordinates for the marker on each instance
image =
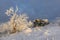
(38, 8)
(48, 9)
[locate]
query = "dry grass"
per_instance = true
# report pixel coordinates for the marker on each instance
(16, 22)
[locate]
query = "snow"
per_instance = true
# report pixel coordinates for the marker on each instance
(51, 32)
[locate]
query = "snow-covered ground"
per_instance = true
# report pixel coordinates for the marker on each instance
(49, 32)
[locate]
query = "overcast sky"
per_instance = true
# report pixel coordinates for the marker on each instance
(34, 8)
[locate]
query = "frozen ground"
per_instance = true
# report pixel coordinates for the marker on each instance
(50, 32)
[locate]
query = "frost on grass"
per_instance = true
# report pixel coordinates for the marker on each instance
(16, 23)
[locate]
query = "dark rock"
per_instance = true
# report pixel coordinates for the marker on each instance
(40, 22)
